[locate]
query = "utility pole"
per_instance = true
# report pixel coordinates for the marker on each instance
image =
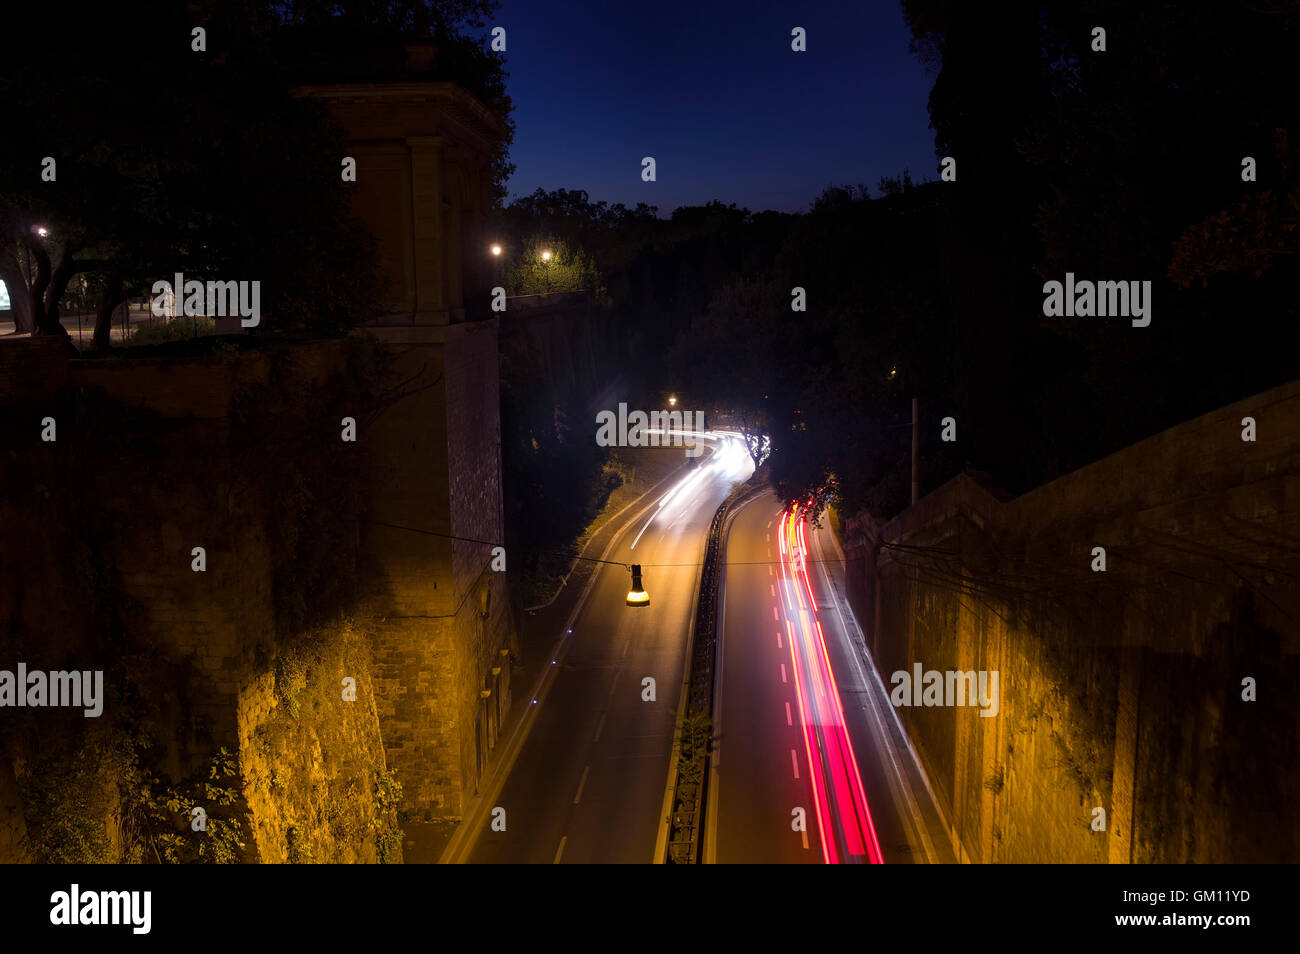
(916, 476)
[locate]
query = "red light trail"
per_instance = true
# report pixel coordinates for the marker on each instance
(839, 800)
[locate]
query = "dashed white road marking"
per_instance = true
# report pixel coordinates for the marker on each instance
(559, 851)
(581, 783)
(783, 679)
(788, 719)
(794, 760)
(600, 726)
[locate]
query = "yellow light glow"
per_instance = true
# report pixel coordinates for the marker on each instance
(546, 256)
(496, 249)
(638, 598)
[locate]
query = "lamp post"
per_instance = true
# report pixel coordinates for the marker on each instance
(546, 268)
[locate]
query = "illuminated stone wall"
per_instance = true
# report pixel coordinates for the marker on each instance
(1119, 689)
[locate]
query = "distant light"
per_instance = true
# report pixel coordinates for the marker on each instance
(570, 632)
(534, 702)
(42, 231)
(496, 249)
(672, 401)
(546, 255)
(552, 662)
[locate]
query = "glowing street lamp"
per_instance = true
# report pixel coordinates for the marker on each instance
(637, 596)
(42, 231)
(546, 268)
(672, 400)
(496, 250)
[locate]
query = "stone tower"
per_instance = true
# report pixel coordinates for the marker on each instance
(439, 616)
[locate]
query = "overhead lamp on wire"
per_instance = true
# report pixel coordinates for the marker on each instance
(637, 596)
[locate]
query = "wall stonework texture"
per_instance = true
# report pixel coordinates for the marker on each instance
(432, 627)
(440, 617)
(429, 632)
(1121, 689)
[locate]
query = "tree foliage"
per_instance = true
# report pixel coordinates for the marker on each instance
(218, 170)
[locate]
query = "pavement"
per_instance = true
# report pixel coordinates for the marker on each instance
(81, 327)
(584, 777)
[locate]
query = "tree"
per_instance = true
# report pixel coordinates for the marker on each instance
(1115, 165)
(219, 172)
(548, 264)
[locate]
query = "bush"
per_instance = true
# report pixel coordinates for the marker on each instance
(178, 329)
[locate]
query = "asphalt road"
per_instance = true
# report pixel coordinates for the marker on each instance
(762, 771)
(588, 783)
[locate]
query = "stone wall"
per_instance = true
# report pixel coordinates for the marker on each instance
(157, 456)
(314, 772)
(440, 617)
(1119, 689)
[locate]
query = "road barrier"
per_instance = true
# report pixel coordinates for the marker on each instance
(686, 824)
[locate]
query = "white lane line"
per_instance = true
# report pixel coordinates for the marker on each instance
(788, 719)
(627, 646)
(783, 679)
(774, 616)
(581, 782)
(600, 727)
(805, 837)
(794, 760)
(767, 538)
(612, 686)
(559, 851)
(772, 587)
(770, 571)
(769, 525)
(778, 640)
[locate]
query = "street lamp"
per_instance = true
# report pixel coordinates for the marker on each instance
(496, 250)
(672, 401)
(637, 596)
(546, 268)
(42, 231)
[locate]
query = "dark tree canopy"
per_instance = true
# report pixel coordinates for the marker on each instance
(219, 171)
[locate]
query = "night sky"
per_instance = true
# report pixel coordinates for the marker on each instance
(719, 99)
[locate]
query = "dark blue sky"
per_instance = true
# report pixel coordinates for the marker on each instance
(713, 91)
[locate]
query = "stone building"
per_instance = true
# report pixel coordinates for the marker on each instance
(439, 615)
